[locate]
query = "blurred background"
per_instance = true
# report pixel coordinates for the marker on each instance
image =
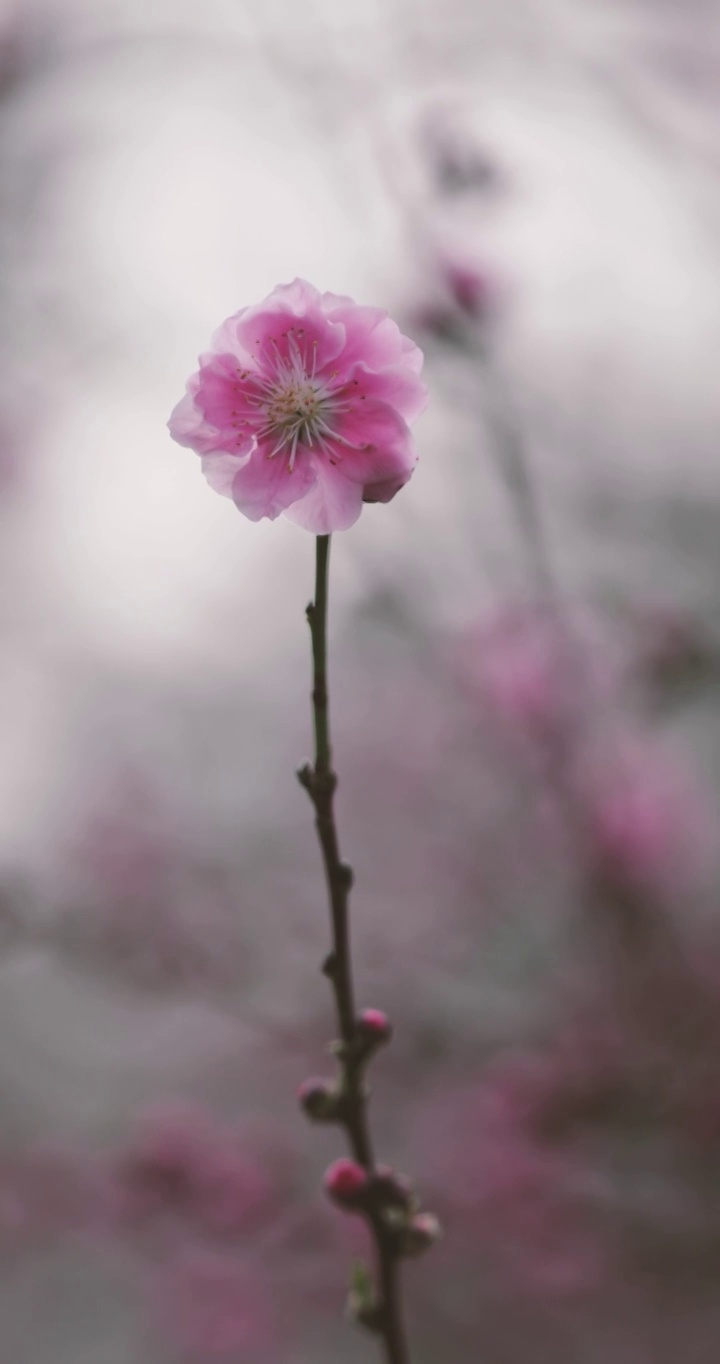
(525, 658)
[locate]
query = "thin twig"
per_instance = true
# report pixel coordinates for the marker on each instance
(320, 782)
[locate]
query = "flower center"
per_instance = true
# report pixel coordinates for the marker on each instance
(294, 413)
(296, 407)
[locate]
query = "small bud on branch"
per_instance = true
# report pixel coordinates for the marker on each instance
(346, 1183)
(419, 1234)
(322, 1100)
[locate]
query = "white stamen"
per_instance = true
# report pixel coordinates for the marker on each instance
(295, 407)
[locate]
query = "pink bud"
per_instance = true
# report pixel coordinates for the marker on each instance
(374, 1026)
(346, 1182)
(315, 1085)
(470, 288)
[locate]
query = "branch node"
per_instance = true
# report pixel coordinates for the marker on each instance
(324, 782)
(305, 776)
(345, 875)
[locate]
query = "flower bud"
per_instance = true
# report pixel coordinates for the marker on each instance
(419, 1234)
(346, 1183)
(321, 1100)
(393, 1190)
(471, 289)
(373, 1027)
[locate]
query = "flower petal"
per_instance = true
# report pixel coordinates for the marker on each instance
(225, 338)
(373, 338)
(386, 455)
(187, 424)
(333, 503)
(221, 399)
(208, 418)
(266, 487)
(263, 331)
(185, 421)
(396, 385)
(221, 468)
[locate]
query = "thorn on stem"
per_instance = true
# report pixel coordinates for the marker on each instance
(329, 966)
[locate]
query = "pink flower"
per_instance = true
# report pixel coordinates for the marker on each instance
(302, 406)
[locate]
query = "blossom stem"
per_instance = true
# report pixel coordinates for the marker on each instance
(320, 782)
(317, 618)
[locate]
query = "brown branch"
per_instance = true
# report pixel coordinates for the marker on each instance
(320, 782)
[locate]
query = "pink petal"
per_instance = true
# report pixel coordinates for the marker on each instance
(295, 307)
(221, 397)
(372, 337)
(299, 296)
(395, 385)
(386, 457)
(333, 503)
(266, 487)
(221, 468)
(187, 425)
(206, 418)
(412, 355)
(225, 338)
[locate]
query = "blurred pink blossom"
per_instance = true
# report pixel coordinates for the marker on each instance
(473, 290)
(507, 1190)
(648, 821)
(456, 291)
(214, 1306)
(541, 666)
(139, 898)
(516, 660)
(302, 406)
(183, 1162)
